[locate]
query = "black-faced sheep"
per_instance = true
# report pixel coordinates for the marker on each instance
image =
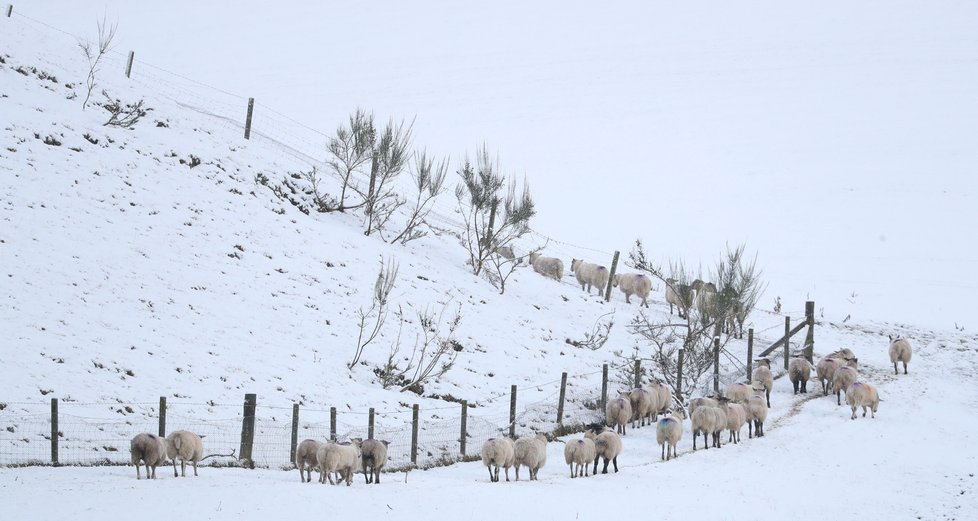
(668, 432)
(184, 445)
(305, 459)
(900, 351)
(579, 454)
(590, 275)
(634, 284)
(149, 449)
(532, 452)
(607, 446)
(547, 266)
(498, 452)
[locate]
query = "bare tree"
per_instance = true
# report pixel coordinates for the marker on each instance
(123, 115)
(432, 355)
(373, 318)
(94, 51)
(350, 149)
(388, 158)
(598, 335)
(429, 179)
(492, 218)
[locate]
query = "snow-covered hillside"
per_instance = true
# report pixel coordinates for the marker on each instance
(152, 262)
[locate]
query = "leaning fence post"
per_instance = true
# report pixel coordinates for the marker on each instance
(414, 435)
(132, 54)
(638, 373)
(810, 337)
(162, 431)
(716, 365)
(370, 424)
(248, 430)
(604, 386)
(251, 109)
(611, 277)
(295, 431)
(679, 378)
(54, 431)
(512, 412)
(750, 352)
(332, 423)
(463, 435)
(10, 10)
(560, 401)
(787, 340)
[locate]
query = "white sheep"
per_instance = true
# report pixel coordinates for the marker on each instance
(305, 459)
(736, 418)
(799, 371)
(668, 432)
(188, 447)
(900, 351)
(373, 457)
(532, 452)
(342, 458)
(756, 410)
(498, 452)
(506, 252)
(642, 402)
(842, 379)
(720, 425)
(618, 412)
(706, 296)
(634, 284)
(828, 364)
(679, 295)
(696, 403)
(579, 454)
(762, 376)
(149, 449)
(662, 395)
(736, 318)
(607, 446)
(547, 266)
(590, 275)
(738, 392)
(704, 421)
(863, 395)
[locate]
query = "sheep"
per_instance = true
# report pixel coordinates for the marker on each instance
(619, 411)
(589, 275)
(149, 449)
(305, 459)
(634, 284)
(762, 376)
(863, 395)
(696, 403)
(607, 445)
(720, 425)
(661, 398)
(756, 410)
(532, 452)
(736, 418)
(706, 296)
(642, 402)
(825, 371)
(736, 318)
(373, 457)
(547, 266)
(738, 392)
(679, 295)
(498, 452)
(186, 446)
(506, 252)
(668, 432)
(842, 379)
(900, 351)
(704, 421)
(799, 371)
(579, 454)
(342, 458)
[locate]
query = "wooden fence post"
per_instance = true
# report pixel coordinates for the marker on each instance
(512, 412)
(463, 435)
(716, 365)
(787, 340)
(604, 386)
(10, 10)
(560, 401)
(370, 424)
(54, 431)
(750, 353)
(679, 377)
(332, 423)
(810, 337)
(638, 373)
(132, 54)
(248, 430)
(611, 277)
(295, 431)
(251, 109)
(162, 430)
(414, 435)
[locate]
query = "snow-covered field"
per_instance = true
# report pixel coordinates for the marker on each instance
(126, 275)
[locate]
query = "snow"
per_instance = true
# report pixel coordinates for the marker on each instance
(842, 142)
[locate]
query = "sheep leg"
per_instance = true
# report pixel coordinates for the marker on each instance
(804, 386)
(517, 473)
(663, 452)
(137, 472)
(377, 475)
(694, 440)
(507, 473)
(604, 469)
(195, 468)
(174, 467)
(491, 479)
(904, 367)
(615, 461)
(768, 393)
(596, 465)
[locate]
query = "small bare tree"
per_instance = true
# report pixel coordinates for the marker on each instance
(432, 355)
(429, 179)
(373, 318)
(94, 51)
(598, 335)
(492, 219)
(123, 115)
(350, 149)
(388, 158)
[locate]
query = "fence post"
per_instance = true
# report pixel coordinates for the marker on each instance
(611, 277)
(295, 431)
(332, 423)
(10, 10)
(54, 431)
(604, 386)
(787, 340)
(560, 401)
(750, 353)
(512, 412)
(716, 365)
(132, 54)
(251, 109)
(463, 435)
(679, 378)
(248, 430)
(414, 435)
(810, 337)
(162, 431)
(638, 373)
(370, 424)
